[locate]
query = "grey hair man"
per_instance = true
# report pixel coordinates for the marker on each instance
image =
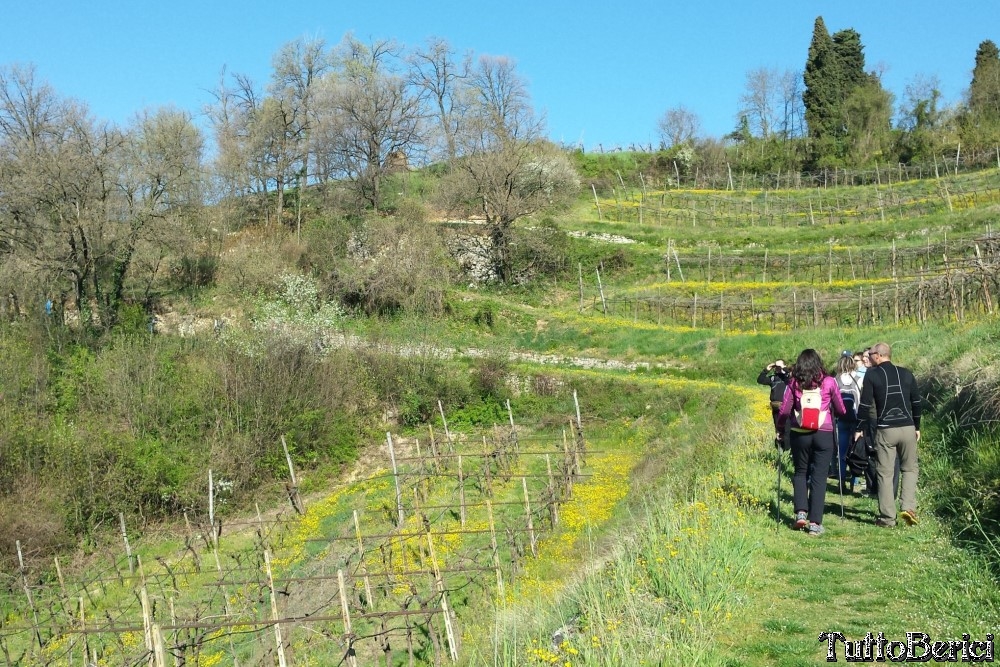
(895, 423)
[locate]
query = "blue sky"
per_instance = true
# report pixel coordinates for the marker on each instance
(603, 72)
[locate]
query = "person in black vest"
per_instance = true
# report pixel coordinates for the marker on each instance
(775, 375)
(892, 391)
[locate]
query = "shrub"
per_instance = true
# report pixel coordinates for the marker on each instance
(394, 265)
(490, 376)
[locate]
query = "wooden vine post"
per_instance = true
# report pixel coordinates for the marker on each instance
(513, 430)
(448, 627)
(447, 433)
(581, 446)
(600, 287)
(293, 490)
(568, 467)
(346, 613)
(554, 506)
(400, 518)
(274, 610)
(527, 513)
(496, 552)
(147, 626)
(461, 492)
(434, 452)
(27, 592)
(128, 548)
(361, 561)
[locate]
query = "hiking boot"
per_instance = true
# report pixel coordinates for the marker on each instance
(884, 523)
(801, 521)
(815, 529)
(909, 517)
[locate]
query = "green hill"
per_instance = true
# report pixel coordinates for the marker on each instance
(575, 468)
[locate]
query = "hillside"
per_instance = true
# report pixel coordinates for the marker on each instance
(574, 470)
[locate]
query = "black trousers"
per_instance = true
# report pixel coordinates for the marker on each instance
(811, 450)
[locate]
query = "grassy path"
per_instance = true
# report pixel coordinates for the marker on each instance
(855, 579)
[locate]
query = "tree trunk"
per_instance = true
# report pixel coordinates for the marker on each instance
(500, 260)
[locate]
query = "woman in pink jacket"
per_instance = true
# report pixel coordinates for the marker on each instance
(808, 400)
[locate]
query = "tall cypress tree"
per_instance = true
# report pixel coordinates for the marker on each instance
(851, 57)
(821, 78)
(980, 124)
(834, 75)
(984, 91)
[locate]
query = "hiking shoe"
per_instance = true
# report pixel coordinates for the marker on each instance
(909, 517)
(801, 521)
(815, 529)
(884, 523)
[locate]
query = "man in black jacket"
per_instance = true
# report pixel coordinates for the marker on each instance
(892, 391)
(775, 376)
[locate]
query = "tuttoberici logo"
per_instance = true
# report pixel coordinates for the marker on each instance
(917, 647)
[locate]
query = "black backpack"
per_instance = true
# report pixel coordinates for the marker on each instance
(859, 456)
(777, 390)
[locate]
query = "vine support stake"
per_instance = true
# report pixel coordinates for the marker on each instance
(361, 560)
(527, 514)
(447, 433)
(27, 592)
(346, 612)
(274, 610)
(496, 551)
(128, 548)
(293, 490)
(395, 478)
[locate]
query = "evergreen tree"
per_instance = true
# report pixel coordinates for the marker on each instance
(984, 91)
(851, 57)
(980, 123)
(846, 108)
(821, 78)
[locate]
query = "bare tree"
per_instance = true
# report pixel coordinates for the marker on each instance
(505, 171)
(375, 119)
(259, 139)
(758, 101)
(444, 80)
(792, 107)
(80, 197)
(678, 125)
(298, 68)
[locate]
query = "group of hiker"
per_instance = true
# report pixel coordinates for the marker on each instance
(864, 416)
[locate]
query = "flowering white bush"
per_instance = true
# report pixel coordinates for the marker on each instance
(297, 315)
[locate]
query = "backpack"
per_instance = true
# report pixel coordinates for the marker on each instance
(811, 415)
(847, 394)
(859, 456)
(777, 393)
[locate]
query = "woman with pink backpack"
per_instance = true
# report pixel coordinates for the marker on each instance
(808, 401)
